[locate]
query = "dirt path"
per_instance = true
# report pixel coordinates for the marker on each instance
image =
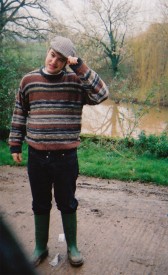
(122, 227)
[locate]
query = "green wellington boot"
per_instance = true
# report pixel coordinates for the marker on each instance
(41, 238)
(70, 229)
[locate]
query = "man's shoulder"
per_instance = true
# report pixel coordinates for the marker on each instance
(31, 76)
(32, 73)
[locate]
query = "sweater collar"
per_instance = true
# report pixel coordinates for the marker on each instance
(51, 76)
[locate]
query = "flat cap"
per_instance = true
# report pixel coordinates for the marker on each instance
(63, 46)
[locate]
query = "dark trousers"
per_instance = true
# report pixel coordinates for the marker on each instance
(57, 170)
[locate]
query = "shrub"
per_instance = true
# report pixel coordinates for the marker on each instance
(10, 73)
(14, 63)
(162, 146)
(152, 144)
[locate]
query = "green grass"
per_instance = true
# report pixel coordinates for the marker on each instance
(6, 158)
(128, 166)
(100, 160)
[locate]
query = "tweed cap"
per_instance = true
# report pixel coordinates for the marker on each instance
(63, 46)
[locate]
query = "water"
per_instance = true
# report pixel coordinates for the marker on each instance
(119, 120)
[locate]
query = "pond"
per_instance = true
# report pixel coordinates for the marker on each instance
(119, 120)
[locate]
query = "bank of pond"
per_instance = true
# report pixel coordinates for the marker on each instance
(144, 159)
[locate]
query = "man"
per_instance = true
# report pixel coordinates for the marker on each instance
(47, 114)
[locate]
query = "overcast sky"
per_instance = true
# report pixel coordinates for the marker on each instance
(148, 10)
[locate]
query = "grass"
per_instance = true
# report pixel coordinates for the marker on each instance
(6, 158)
(99, 162)
(104, 161)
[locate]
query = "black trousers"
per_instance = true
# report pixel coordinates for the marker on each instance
(57, 170)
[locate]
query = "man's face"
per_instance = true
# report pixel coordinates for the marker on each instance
(54, 62)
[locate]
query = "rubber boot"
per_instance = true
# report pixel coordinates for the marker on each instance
(41, 238)
(70, 229)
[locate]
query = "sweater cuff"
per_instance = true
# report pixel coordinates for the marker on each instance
(15, 149)
(76, 66)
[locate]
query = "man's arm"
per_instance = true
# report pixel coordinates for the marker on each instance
(18, 128)
(96, 89)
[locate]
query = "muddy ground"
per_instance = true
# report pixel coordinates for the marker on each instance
(122, 227)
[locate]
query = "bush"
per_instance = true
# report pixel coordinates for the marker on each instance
(4, 133)
(152, 144)
(156, 146)
(162, 146)
(10, 75)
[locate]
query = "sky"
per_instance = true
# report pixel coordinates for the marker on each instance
(148, 9)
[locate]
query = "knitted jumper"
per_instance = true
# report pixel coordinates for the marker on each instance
(48, 108)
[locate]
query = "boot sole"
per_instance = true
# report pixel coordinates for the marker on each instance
(38, 260)
(76, 264)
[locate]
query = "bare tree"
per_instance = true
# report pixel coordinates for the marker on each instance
(105, 22)
(23, 18)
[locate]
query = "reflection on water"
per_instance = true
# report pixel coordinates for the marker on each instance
(118, 120)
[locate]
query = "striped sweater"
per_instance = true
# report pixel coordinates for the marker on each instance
(48, 108)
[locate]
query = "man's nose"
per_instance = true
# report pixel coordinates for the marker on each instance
(54, 60)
